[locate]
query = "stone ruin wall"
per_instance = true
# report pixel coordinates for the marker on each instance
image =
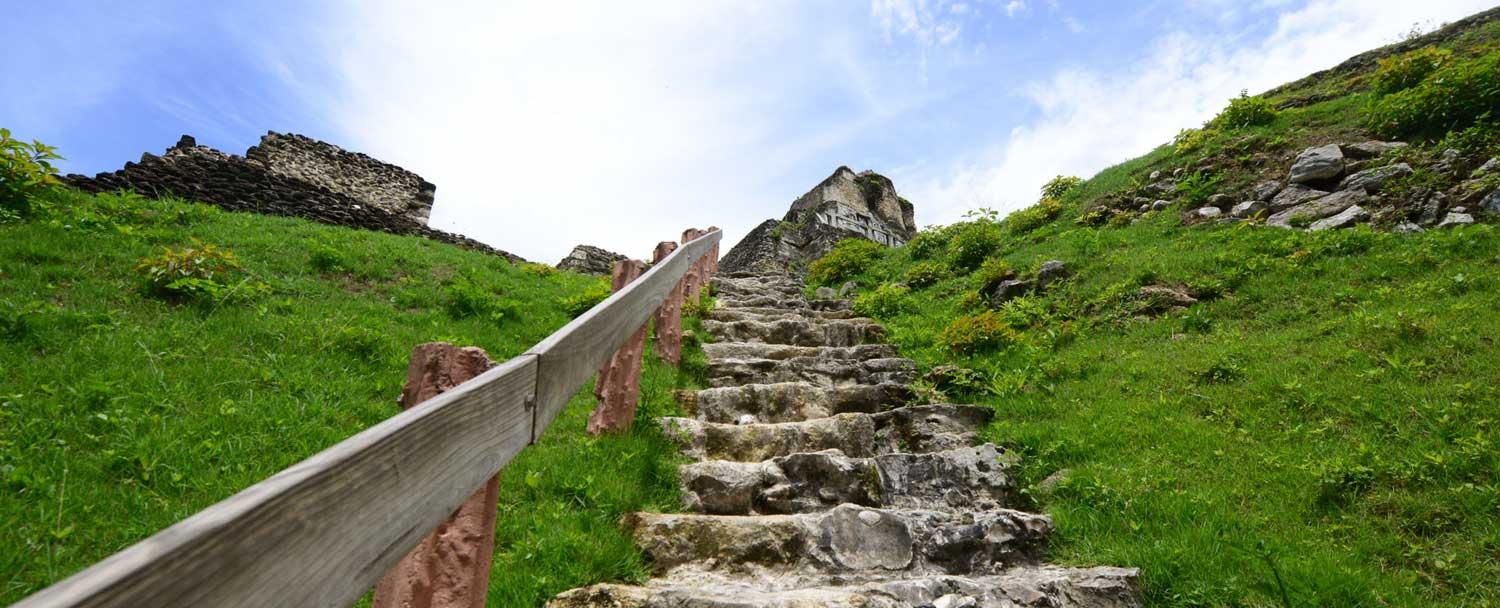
(845, 205)
(356, 175)
(240, 183)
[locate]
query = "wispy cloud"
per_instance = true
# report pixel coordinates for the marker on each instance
(1014, 7)
(1087, 119)
(550, 124)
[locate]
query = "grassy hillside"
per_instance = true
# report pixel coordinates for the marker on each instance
(1253, 416)
(127, 405)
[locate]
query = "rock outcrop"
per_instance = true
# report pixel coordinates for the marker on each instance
(288, 175)
(587, 259)
(818, 481)
(846, 205)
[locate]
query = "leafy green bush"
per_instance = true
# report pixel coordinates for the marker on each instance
(928, 243)
(978, 333)
(973, 242)
(202, 272)
(886, 301)
(538, 270)
(1453, 97)
(1188, 140)
(1404, 71)
(1025, 312)
(1481, 140)
(1197, 187)
(463, 298)
(1244, 111)
(922, 274)
(991, 273)
(1060, 186)
(580, 303)
(847, 259)
(1025, 220)
(25, 171)
(325, 258)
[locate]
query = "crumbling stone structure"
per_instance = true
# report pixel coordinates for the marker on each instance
(380, 185)
(588, 259)
(287, 175)
(846, 205)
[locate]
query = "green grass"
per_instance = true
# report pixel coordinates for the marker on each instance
(1332, 411)
(121, 413)
(1318, 430)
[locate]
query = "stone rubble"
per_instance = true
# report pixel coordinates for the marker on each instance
(819, 482)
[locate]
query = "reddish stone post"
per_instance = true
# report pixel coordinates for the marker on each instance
(451, 567)
(619, 382)
(668, 345)
(712, 257)
(694, 279)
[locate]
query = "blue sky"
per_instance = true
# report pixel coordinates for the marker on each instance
(618, 124)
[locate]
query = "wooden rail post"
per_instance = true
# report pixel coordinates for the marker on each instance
(668, 344)
(451, 567)
(619, 382)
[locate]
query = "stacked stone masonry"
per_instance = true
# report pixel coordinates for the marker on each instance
(819, 482)
(288, 175)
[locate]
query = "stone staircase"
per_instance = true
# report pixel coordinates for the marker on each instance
(815, 485)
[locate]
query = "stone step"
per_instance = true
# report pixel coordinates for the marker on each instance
(773, 314)
(726, 351)
(798, 331)
(961, 479)
(911, 429)
(791, 401)
(740, 288)
(1033, 586)
(846, 539)
(761, 300)
(755, 282)
(822, 372)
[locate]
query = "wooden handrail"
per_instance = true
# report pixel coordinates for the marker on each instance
(323, 531)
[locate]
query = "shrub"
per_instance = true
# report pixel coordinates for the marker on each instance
(1453, 97)
(25, 171)
(200, 272)
(1244, 111)
(463, 298)
(580, 303)
(1404, 71)
(1481, 140)
(1025, 220)
(922, 274)
(991, 273)
(928, 243)
(1060, 186)
(982, 332)
(886, 301)
(1196, 188)
(325, 258)
(973, 242)
(847, 259)
(1025, 312)
(538, 270)
(1188, 140)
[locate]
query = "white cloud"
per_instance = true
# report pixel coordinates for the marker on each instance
(1089, 119)
(545, 125)
(929, 22)
(1013, 7)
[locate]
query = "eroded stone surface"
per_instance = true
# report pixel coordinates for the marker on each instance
(967, 478)
(825, 372)
(848, 538)
(912, 429)
(795, 401)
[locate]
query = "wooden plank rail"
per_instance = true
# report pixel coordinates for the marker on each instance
(323, 531)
